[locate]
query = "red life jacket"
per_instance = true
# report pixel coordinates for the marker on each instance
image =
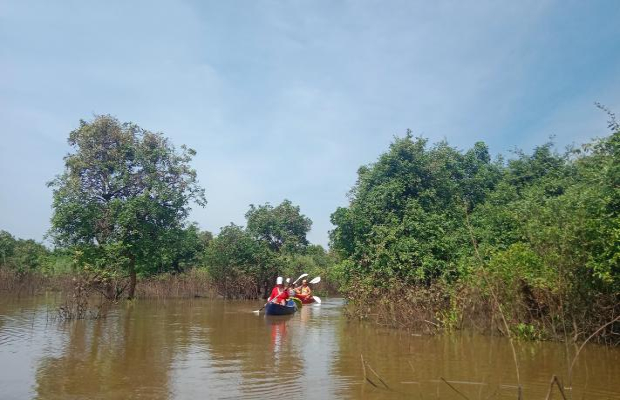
(278, 294)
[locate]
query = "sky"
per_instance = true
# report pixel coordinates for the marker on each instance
(287, 99)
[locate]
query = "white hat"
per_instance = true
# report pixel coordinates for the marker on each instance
(288, 280)
(279, 280)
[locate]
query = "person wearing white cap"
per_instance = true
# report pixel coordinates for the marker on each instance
(278, 293)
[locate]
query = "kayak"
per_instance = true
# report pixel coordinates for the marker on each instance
(305, 299)
(276, 309)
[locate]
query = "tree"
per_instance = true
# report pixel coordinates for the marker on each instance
(7, 246)
(241, 261)
(20, 254)
(406, 214)
(282, 227)
(123, 189)
(238, 263)
(184, 249)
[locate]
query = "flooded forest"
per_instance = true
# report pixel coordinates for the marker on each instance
(449, 274)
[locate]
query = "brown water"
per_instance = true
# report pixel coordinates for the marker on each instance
(202, 349)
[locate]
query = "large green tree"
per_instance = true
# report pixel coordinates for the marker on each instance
(124, 196)
(282, 227)
(406, 216)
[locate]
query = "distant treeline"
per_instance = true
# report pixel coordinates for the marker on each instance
(23, 255)
(437, 237)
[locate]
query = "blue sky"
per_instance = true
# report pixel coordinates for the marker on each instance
(286, 99)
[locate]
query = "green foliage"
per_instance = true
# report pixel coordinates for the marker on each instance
(124, 196)
(315, 261)
(235, 253)
(283, 227)
(22, 255)
(185, 249)
(527, 332)
(521, 262)
(407, 211)
(542, 229)
(274, 243)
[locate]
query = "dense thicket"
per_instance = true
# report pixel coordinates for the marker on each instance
(244, 262)
(540, 232)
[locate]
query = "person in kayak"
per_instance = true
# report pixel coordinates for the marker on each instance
(290, 288)
(304, 289)
(279, 294)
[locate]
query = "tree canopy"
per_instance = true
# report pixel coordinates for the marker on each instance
(244, 261)
(409, 212)
(124, 196)
(282, 227)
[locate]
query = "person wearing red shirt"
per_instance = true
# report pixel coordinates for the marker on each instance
(279, 294)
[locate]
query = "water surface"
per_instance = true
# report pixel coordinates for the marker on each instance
(199, 348)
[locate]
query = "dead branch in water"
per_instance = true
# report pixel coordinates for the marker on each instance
(555, 380)
(377, 375)
(363, 366)
(572, 364)
(453, 388)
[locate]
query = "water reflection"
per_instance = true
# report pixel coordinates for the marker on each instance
(186, 349)
(278, 332)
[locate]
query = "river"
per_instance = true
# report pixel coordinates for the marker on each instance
(213, 349)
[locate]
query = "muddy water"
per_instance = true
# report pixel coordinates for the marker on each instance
(201, 349)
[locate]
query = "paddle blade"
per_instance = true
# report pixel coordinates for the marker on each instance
(315, 280)
(317, 299)
(256, 312)
(300, 276)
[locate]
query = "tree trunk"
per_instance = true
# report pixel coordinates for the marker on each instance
(132, 277)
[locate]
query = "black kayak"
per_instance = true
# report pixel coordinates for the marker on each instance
(276, 309)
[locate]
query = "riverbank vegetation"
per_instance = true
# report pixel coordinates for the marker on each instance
(244, 262)
(438, 238)
(433, 238)
(120, 211)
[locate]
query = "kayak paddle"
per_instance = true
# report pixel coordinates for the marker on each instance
(300, 276)
(259, 310)
(315, 280)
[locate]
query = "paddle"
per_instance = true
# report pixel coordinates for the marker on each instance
(288, 280)
(265, 305)
(316, 280)
(300, 276)
(260, 309)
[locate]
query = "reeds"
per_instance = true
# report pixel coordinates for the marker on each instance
(83, 302)
(31, 283)
(489, 303)
(505, 311)
(195, 283)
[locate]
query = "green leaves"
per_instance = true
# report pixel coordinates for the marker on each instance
(282, 228)
(274, 242)
(235, 252)
(545, 218)
(124, 195)
(406, 213)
